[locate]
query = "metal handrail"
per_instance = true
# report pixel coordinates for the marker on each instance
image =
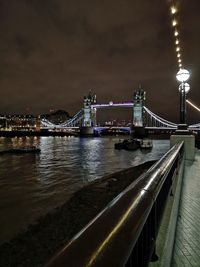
(109, 239)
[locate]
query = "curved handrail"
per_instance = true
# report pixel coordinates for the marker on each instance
(110, 237)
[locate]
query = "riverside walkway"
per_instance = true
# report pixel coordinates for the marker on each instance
(187, 239)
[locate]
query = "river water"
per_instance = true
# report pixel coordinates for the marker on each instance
(33, 184)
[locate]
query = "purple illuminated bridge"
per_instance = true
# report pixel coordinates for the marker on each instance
(111, 104)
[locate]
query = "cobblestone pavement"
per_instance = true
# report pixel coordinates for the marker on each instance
(187, 240)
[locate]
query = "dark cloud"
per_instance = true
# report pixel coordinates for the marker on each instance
(53, 52)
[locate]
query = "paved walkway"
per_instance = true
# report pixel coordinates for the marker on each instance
(187, 240)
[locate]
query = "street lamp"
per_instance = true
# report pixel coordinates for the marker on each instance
(187, 87)
(182, 76)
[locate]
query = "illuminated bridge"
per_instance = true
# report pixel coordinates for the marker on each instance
(142, 116)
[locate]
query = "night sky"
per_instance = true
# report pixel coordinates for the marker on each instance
(52, 52)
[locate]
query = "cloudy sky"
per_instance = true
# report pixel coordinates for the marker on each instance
(52, 52)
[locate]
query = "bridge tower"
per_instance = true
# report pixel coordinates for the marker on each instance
(89, 115)
(138, 113)
(138, 103)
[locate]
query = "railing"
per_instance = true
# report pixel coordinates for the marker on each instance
(124, 233)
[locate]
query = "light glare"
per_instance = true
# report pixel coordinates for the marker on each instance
(176, 33)
(193, 105)
(173, 10)
(174, 23)
(185, 87)
(182, 75)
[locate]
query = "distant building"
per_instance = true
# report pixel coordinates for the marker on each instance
(19, 122)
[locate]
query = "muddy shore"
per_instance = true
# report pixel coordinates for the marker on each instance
(35, 246)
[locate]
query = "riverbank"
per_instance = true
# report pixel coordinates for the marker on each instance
(34, 247)
(36, 133)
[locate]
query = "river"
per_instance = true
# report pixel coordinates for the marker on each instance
(33, 184)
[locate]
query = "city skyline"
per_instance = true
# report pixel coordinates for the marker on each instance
(54, 52)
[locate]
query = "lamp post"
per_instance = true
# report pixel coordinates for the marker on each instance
(183, 133)
(182, 76)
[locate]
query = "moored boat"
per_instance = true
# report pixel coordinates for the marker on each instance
(20, 150)
(128, 144)
(146, 144)
(133, 144)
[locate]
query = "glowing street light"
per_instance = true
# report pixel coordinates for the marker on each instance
(174, 23)
(186, 87)
(173, 10)
(176, 33)
(182, 76)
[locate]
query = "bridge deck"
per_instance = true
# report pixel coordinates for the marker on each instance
(187, 240)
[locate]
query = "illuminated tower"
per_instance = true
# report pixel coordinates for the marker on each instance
(138, 103)
(38, 123)
(89, 113)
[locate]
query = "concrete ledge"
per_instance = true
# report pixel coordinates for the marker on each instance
(189, 144)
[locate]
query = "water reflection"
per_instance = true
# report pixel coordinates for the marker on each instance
(33, 184)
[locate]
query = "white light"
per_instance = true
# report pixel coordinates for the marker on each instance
(176, 33)
(182, 75)
(178, 49)
(178, 55)
(173, 10)
(110, 103)
(193, 105)
(177, 41)
(184, 86)
(174, 23)
(179, 60)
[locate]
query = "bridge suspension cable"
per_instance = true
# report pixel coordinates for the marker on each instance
(160, 120)
(73, 121)
(193, 105)
(69, 123)
(197, 125)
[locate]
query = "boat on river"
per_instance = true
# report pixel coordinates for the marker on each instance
(134, 144)
(146, 143)
(128, 144)
(21, 150)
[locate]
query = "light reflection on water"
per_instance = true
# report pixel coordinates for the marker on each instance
(33, 184)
